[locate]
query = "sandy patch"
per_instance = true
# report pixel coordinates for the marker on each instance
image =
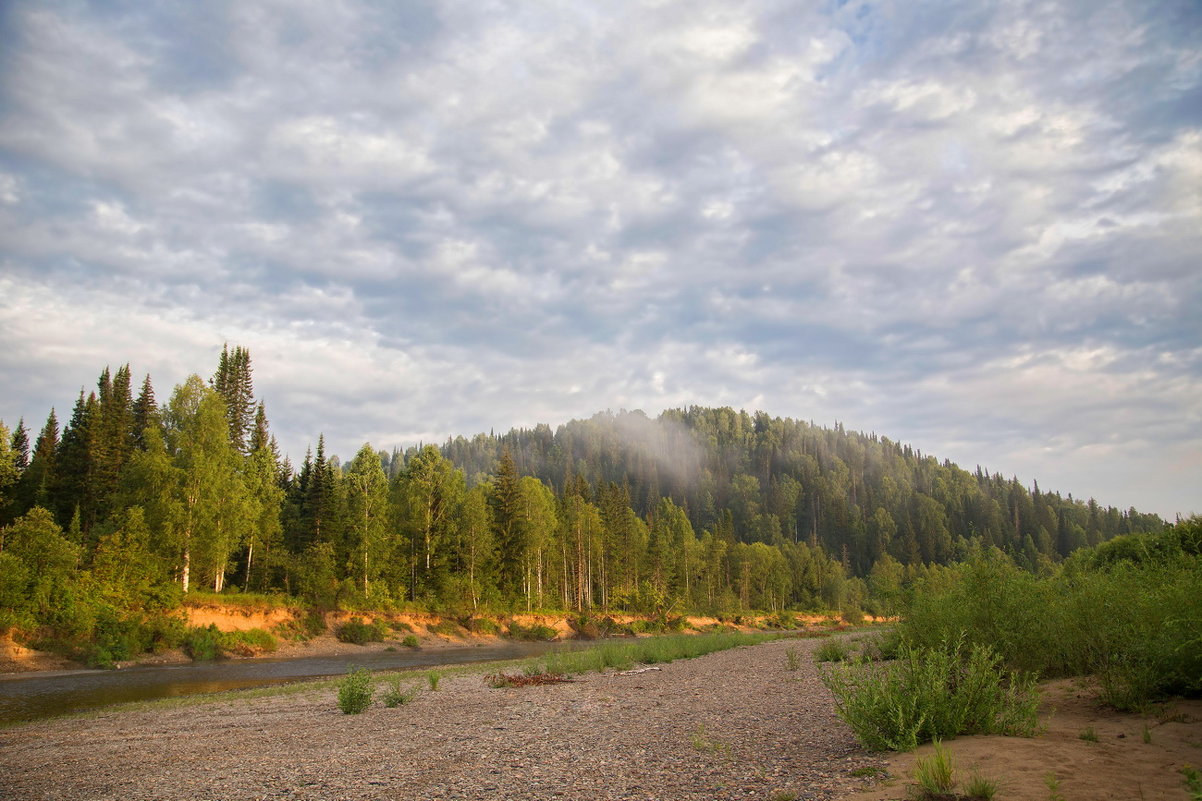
(1121, 765)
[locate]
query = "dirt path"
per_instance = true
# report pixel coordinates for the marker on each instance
(736, 724)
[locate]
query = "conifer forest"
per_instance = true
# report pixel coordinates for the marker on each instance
(108, 519)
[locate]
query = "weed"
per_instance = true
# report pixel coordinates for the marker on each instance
(703, 743)
(534, 633)
(870, 771)
(394, 696)
(980, 787)
(785, 795)
(410, 641)
(399, 625)
(935, 774)
(500, 680)
(1193, 782)
(1088, 735)
(1053, 784)
(792, 662)
(355, 692)
(446, 627)
(833, 650)
(1147, 735)
(433, 677)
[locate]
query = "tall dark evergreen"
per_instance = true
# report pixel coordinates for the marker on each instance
(33, 489)
(20, 446)
(233, 381)
(145, 413)
(73, 461)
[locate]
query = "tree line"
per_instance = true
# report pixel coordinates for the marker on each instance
(134, 503)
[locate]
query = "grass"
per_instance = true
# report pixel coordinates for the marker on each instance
(433, 678)
(1088, 735)
(394, 696)
(930, 693)
(979, 786)
(833, 650)
(702, 742)
(792, 661)
(625, 654)
(1193, 782)
(1051, 781)
(1147, 735)
(935, 774)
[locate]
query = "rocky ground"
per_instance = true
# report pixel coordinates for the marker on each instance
(732, 725)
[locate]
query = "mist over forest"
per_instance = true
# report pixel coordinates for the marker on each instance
(133, 503)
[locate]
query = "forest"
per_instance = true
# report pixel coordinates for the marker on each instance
(113, 518)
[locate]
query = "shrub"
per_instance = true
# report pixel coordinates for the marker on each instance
(433, 677)
(304, 628)
(482, 625)
(833, 650)
(357, 632)
(932, 692)
(852, 616)
(446, 627)
(203, 644)
(355, 692)
(534, 633)
(410, 641)
(399, 625)
(249, 642)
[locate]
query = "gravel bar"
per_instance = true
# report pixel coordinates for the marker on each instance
(736, 724)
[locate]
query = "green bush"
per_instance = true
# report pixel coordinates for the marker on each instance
(203, 644)
(481, 625)
(248, 643)
(355, 692)
(534, 633)
(357, 632)
(410, 641)
(932, 692)
(834, 649)
(447, 628)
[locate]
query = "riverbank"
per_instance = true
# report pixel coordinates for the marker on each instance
(431, 632)
(734, 724)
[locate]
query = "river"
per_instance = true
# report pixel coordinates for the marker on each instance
(30, 696)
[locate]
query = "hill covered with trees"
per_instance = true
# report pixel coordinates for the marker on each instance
(112, 518)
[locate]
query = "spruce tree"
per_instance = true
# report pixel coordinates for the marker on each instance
(20, 446)
(233, 381)
(145, 414)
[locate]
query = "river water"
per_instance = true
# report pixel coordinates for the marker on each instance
(29, 696)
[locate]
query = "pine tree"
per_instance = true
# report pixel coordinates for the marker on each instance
(145, 413)
(73, 460)
(233, 382)
(34, 486)
(20, 446)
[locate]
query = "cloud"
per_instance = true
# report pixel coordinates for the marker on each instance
(971, 227)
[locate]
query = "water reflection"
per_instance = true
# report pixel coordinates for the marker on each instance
(40, 695)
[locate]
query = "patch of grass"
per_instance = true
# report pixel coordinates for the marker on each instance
(702, 742)
(785, 795)
(482, 625)
(1052, 782)
(935, 774)
(248, 642)
(980, 787)
(395, 696)
(248, 600)
(501, 680)
(355, 692)
(792, 661)
(433, 677)
(1147, 735)
(399, 625)
(624, 654)
(930, 693)
(1088, 735)
(1193, 782)
(356, 632)
(835, 649)
(869, 771)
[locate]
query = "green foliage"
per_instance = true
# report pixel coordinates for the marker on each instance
(1088, 735)
(355, 691)
(248, 642)
(1134, 623)
(433, 678)
(533, 633)
(482, 625)
(624, 654)
(448, 628)
(935, 774)
(833, 649)
(410, 641)
(1193, 782)
(357, 632)
(203, 644)
(395, 696)
(980, 787)
(932, 692)
(792, 661)
(303, 628)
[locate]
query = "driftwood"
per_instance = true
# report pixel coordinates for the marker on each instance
(636, 671)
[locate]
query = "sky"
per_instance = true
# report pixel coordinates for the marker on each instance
(971, 227)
